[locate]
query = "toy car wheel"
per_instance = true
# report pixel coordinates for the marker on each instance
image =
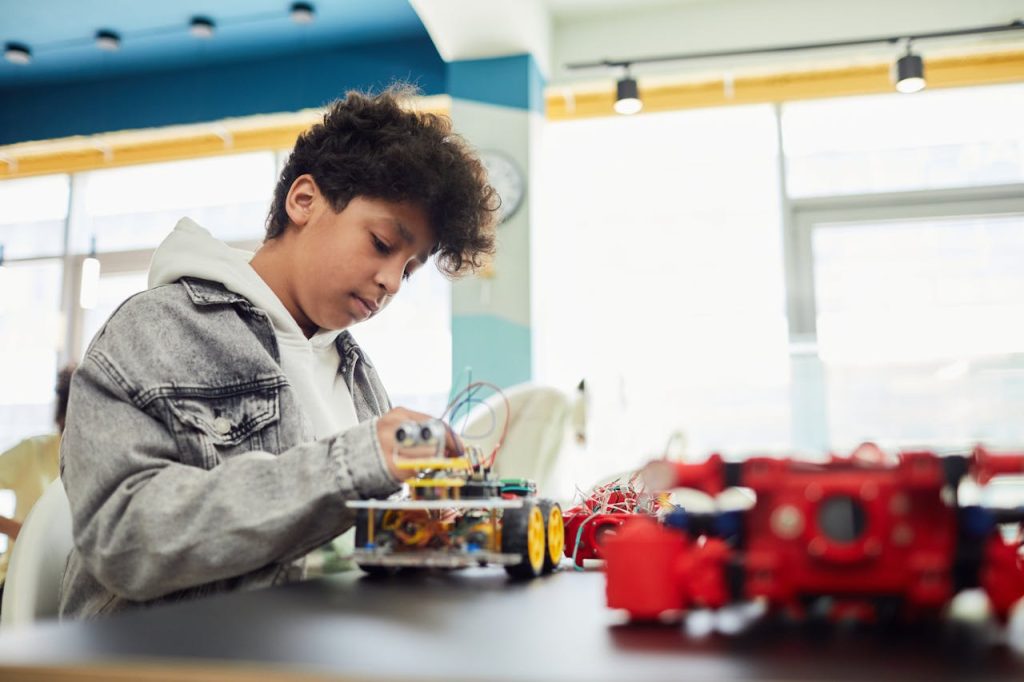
(554, 530)
(377, 571)
(522, 533)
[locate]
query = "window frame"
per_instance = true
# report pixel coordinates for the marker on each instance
(806, 215)
(809, 391)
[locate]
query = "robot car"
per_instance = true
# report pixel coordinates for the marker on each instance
(879, 539)
(457, 514)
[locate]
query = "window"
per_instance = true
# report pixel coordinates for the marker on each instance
(135, 207)
(32, 220)
(410, 342)
(129, 211)
(31, 333)
(887, 143)
(904, 281)
(921, 318)
(657, 277)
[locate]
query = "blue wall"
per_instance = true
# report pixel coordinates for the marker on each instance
(196, 94)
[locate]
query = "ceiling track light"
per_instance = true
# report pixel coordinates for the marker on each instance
(302, 13)
(107, 40)
(910, 64)
(627, 96)
(17, 53)
(908, 72)
(201, 27)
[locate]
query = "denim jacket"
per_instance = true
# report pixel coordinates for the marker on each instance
(188, 463)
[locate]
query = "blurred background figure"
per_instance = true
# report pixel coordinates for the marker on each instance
(28, 467)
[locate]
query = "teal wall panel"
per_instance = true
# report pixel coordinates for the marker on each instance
(492, 348)
(506, 81)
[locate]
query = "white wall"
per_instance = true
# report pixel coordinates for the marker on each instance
(629, 30)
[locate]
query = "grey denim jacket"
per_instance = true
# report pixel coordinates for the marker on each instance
(188, 462)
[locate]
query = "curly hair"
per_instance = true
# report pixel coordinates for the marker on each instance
(372, 146)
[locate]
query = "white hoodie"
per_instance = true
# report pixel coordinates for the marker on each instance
(311, 365)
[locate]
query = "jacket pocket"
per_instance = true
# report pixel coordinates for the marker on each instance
(211, 424)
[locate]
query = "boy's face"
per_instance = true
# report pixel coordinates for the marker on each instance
(349, 265)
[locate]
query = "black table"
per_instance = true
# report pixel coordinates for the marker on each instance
(476, 625)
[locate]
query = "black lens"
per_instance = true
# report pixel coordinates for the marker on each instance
(841, 518)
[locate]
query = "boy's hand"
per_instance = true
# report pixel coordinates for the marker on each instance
(386, 427)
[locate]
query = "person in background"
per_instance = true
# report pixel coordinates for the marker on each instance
(30, 466)
(221, 420)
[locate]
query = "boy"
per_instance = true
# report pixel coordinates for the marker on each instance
(221, 419)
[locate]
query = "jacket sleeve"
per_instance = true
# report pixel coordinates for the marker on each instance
(147, 524)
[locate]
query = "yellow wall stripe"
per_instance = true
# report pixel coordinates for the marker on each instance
(110, 150)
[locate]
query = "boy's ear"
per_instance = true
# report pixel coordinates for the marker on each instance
(299, 202)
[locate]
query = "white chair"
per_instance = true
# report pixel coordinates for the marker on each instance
(36, 568)
(541, 417)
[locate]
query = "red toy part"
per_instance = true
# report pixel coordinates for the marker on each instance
(1002, 575)
(585, 535)
(865, 530)
(589, 524)
(642, 568)
(652, 570)
(986, 466)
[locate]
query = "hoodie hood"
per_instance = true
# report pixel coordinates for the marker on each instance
(311, 365)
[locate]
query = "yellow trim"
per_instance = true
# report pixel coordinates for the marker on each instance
(942, 72)
(436, 483)
(444, 463)
(173, 143)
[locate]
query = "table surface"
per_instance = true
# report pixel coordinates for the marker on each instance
(475, 624)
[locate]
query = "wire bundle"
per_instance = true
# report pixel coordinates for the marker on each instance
(614, 497)
(465, 400)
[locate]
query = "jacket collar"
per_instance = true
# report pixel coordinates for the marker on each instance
(349, 350)
(205, 292)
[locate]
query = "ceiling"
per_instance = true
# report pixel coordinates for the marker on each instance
(154, 34)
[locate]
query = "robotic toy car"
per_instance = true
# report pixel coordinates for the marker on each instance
(457, 514)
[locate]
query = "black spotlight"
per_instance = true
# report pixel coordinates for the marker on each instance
(909, 73)
(627, 96)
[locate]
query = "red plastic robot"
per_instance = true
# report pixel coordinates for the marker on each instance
(878, 538)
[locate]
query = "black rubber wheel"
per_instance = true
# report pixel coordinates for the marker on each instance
(522, 533)
(554, 534)
(377, 571)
